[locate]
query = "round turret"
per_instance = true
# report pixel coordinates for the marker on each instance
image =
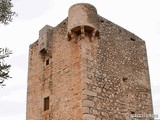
(82, 18)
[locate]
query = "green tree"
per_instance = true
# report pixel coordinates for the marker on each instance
(6, 13)
(4, 67)
(6, 16)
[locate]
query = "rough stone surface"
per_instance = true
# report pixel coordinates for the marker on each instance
(90, 68)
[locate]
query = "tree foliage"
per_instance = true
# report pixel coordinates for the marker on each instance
(4, 67)
(6, 13)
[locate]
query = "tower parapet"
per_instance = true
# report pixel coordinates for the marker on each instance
(82, 20)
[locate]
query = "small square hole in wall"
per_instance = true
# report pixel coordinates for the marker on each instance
(132, 39)
(102, 21)
(47, 62)
(46, 103)
(132, 112)
(124, 79)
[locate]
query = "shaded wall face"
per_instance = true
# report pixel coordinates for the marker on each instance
(117, 83)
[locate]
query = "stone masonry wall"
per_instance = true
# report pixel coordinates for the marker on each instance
(91, 71)
(66, 78)
(34, 91)
(60, 79)
(116, 83)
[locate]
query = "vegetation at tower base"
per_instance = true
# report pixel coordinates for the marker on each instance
(6, 13)
(4, 67)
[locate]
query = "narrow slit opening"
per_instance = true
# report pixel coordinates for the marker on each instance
(47, 62)
(132, 39)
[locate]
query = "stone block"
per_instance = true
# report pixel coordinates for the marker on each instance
(87, 92)
(85, 110)
(88, 117)
(88, 103)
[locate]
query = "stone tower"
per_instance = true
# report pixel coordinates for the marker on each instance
(87, 68)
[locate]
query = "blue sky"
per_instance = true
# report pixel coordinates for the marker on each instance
(140, 17)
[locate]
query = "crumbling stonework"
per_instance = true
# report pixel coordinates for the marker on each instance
(90, 68)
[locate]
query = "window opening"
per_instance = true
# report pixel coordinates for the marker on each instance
(46, 103)
(47, 62)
